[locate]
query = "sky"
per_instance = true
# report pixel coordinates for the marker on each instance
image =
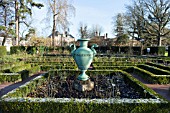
(89, 12)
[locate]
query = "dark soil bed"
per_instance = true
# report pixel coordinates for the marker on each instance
(105, 87)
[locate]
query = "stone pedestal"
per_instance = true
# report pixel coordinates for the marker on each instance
(83, 85)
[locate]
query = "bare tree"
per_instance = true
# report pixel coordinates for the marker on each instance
(150, 19)
(83, 30)
(158, 18)
(96, 30)
(61, 11)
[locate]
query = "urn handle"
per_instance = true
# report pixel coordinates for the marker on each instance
(73, 48)
(92, 48)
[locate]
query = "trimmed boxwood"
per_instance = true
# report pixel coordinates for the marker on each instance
(169, 51)
(159, 66)
(116, 63)
(9, 77)
(111, 67)
(150, 77)
(154, 70)
(17, 49)
(72, 107)
(24, 74)
(3, 51)
(39, 105)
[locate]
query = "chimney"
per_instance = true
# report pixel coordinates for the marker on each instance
(106, 35)
(96, 34)
(66, 33)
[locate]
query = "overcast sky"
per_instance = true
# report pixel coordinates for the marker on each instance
(91, 12)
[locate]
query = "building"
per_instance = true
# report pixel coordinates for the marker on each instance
(62, 39)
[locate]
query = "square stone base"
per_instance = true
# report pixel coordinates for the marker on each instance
(83, 85)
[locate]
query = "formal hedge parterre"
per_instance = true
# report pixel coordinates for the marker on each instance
(50, 67)
(116, 63)
(161, 66)
(111, 67)
(150, 77)
(10, 65)
(154, 70)
(18, 73)
(9, 77)
(16, 101)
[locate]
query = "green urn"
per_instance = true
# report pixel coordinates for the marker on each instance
(83, 57)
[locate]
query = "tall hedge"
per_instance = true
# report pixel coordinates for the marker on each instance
(135, 50)
(156, 50)
(169, 51)
(3, 51)
(17, 49)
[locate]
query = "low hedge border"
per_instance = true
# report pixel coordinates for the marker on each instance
(9, 65)
(21, 75)
(111, 67)
(49, 67)
(27, 87)
(154, 70)
(10, 103)
(150, 77)
(16, 69)
(9, 77)
(159, 66)
(116, 63)
(3, 51)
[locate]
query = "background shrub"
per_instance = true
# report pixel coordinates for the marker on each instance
(3, 51)
(17, 49)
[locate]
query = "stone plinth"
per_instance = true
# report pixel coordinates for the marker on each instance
(83, 85)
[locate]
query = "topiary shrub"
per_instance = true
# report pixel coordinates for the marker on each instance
(3, 51)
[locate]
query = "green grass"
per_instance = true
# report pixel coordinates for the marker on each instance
(166, 53)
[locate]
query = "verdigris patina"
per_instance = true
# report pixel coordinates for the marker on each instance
(83, 57)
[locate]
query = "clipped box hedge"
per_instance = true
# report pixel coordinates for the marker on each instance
(154, 70)
(16, 101)
(3, 51)
(150, 77)
(16, 49)
(159, 66)
(169, 51)
(9, 77)
(115, 63)
(111, 67)
(18, 73)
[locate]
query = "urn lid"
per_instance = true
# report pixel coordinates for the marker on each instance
(83, 39)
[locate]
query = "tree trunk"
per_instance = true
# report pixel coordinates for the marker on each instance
(53, 31)
(54, 24)
(159, 41)
(5, 23)
(16, 22)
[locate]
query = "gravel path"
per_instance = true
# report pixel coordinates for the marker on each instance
(163, 90)
(7, 87)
